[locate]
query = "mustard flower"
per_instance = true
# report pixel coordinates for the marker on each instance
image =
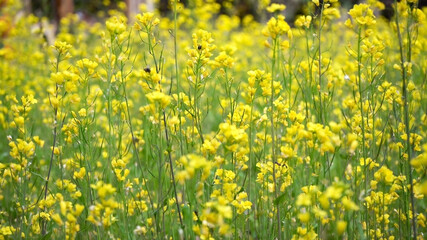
(202, 49)
(341, 227)
(362, 15)
(276, 26)
(159, 98)
(146, 20)
(275, 7)
(223, 60)
(191, 163)
(303, 21)
(116, 25)
(62, 47)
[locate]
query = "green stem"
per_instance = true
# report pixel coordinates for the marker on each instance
(135, 149)
(55, 133)
(406, 117)
(178, 85)
(273, 138)
(359, 80)
(320, 66)
(171, 169)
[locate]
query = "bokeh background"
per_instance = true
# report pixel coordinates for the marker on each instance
(98, 10)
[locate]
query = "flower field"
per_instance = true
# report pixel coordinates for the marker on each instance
(202, 125)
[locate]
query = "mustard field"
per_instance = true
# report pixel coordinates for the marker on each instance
(202, 125)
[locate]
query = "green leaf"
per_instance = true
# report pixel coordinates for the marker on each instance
(188, 216)
(279, 199)
(46, 236)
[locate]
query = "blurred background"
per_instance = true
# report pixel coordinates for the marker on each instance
(98, 10)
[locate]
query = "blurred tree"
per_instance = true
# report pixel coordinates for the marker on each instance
(62, 8)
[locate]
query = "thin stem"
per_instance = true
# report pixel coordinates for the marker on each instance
(359, 79)
(406, 116)
(171, 169)
(178, 85)
(273, 142)
(320, 66)
(55, 133)
(135, 149)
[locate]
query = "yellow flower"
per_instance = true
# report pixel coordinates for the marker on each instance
(80, 174)
(45, 216)
(362, 14)
(87, 64)
(57, 218)
(38, 141)
(103, 189)
(276, 27)
(147, 20)
(201, 52)
(210, 146)
(116, 25)
(160, 98)
(331, 13)
(384, 175)
(304, 217)
(6, 231)
(82, 112)
(303, 21)
(120, 174)
(274, 7)
(334, 192)
(341, 227)
(61, 47)
(349, 204)
(224, 60)
(241, 204)
(304, 199)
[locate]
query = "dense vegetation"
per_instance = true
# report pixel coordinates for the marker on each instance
(200, 125)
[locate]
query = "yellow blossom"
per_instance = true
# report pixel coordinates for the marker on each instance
(274, 7)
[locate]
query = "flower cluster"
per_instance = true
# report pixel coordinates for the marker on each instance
(146, 127)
